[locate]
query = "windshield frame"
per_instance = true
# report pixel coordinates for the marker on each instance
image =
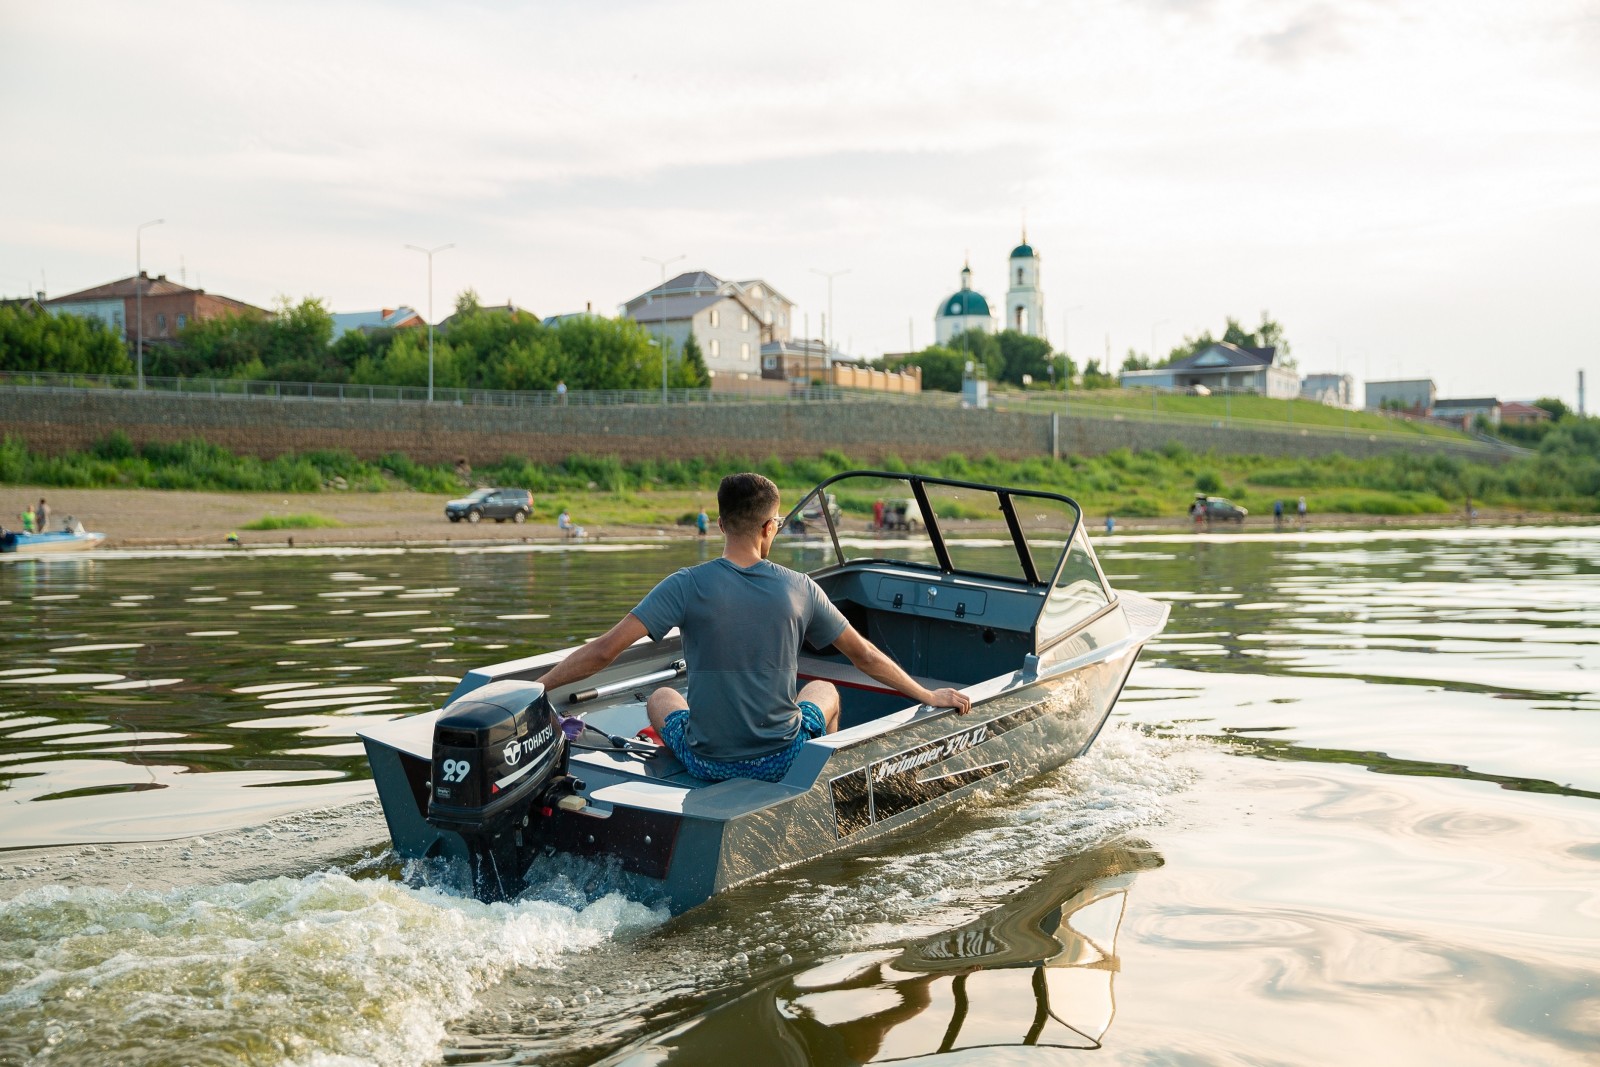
(918, 484)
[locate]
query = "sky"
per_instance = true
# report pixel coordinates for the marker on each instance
(1410, 187)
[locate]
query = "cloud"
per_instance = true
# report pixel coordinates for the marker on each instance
(1178, 159)
(1311, 33)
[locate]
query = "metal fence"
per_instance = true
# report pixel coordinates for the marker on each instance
(396, 394)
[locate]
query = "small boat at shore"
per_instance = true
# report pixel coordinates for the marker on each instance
(72, 537)
(997, 592)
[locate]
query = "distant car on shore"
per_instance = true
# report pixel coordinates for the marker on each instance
(496, 504)
(1217, 509)
(902, 514)
(810, 514)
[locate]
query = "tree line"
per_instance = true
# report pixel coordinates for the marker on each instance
(478, 349)
(511, 350)
(1008, 356)
(1267, 335)
(35, 340)
(1016, 358)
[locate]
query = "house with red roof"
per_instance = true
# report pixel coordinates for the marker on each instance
(166, 305)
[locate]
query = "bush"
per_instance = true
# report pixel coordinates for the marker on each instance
(114, 446)
(303, 521)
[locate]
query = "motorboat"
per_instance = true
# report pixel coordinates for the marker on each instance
(997, 592)
(71, 537)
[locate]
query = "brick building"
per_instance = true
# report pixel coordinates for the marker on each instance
(167, 306)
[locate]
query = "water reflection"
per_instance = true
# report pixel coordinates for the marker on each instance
(1038, 970)
(207, 675)
(140, 653)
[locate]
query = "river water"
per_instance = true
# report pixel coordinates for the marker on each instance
(1348, 810)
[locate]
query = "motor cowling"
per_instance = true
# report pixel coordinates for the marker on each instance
(495, 751)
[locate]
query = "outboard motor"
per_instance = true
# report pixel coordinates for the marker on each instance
(499, 762)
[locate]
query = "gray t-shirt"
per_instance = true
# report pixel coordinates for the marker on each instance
(741, 640)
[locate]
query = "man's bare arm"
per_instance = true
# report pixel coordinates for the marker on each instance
(595, 656)
(873, 662)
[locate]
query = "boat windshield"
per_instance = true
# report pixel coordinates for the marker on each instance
(929, 522)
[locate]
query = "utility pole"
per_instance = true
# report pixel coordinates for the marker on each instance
(661, 323)
(429, 253)
(1066, 346)
(138, 295)
(1066, 336)
(828, 327)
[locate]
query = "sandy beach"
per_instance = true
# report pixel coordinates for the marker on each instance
(140, 518)
(143, 518)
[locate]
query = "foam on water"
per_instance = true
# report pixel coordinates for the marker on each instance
(938, 876)
(324, 969)
(1124, 782)
(331, 969)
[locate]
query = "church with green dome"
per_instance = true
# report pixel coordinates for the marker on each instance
(967, 309)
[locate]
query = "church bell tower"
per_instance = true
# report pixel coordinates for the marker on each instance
(1024, 298)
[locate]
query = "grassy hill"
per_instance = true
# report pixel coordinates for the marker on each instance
(1244, 410)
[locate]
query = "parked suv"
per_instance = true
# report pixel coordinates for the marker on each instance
(496, 504)
(1219, 510)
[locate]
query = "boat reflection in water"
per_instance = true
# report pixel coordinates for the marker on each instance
(1036, 971)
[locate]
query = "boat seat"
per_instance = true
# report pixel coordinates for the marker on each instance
(846, 676)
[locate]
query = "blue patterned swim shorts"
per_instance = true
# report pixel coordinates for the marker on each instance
(769, 768)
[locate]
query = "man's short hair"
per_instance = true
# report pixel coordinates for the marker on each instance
(745, 501)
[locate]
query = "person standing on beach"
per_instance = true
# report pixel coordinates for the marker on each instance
(27, 519)
(1300, 510)
(41, 516)
(701, 523)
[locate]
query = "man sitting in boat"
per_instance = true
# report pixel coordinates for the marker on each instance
(742, 618)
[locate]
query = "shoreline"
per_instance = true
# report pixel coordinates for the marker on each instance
(163, 518)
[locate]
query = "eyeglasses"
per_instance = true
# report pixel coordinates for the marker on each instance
(776, 520)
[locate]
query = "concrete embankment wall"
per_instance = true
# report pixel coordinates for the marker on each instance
(54, 422)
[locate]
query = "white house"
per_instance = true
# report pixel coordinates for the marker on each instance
(1222, 366)
(730, 320)
(1335, 390)
(1467, 410)
(1415, 395)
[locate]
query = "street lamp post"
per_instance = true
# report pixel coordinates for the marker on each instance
(831, 332)
(429, 253)
(1066, 338)
(1153, 326)
(1154, 392)
(661, 323)
(138, 295)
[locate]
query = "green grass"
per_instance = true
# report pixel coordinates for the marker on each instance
(307, 521)
(1298, 414)
(1563, 476)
